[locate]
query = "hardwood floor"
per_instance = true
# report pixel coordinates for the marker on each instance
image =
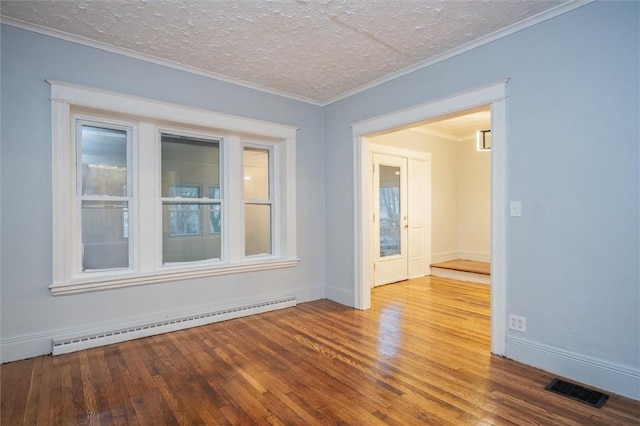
(419, 356)
(465, 266)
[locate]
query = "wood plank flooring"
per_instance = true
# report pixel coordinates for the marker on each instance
(419, 356)
(465, 266)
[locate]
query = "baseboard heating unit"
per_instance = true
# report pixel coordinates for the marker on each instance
(92, 340)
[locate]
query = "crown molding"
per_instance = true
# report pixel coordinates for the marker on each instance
(148, 58)
(519, 26)
(511, 29)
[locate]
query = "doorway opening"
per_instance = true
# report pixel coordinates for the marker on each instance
(492, 95)
(432, 195)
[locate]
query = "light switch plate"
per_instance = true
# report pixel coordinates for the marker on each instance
(515, 209)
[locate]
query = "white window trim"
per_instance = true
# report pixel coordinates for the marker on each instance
(66, 97)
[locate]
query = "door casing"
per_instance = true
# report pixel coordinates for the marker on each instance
(493, 94)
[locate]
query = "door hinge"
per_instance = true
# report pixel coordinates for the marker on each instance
(374, 266)
(373, 168)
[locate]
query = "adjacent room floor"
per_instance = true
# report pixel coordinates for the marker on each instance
(419, 356)
(463, 270)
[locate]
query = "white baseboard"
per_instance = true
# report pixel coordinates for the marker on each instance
(444, 256)
(475, 256)
(605, 375)
(104, 333)
(339, 295)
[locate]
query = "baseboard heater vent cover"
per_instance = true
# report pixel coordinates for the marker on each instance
(578, 393)
(179, 322)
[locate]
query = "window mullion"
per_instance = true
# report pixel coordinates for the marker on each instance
(234, 214)
(145, 221)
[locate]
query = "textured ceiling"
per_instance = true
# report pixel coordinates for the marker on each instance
(311, 50)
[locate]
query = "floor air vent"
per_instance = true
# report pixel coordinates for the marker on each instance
(179, 322)
(577, 392)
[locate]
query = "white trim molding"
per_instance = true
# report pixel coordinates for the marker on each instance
(165, 276)
(71, 102)
(605, 375)
(476, 256)
(444, 256)
(493, 94)
(106, 100)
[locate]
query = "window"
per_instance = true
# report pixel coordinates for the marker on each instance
(103, 194)
(188, 164)
(147, 192)
(257, 201)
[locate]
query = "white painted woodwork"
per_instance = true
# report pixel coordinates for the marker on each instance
(419, 217)
(491, 94)
(71, 101)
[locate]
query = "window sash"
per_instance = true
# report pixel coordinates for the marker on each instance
(82, 262)
(191, 171)
(250, 250)
(70, 101)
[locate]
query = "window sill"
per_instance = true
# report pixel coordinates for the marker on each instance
(86, 286)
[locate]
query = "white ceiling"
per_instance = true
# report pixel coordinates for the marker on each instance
(315, 51)
(461, 126)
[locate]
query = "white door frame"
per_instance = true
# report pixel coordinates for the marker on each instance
(493, 94)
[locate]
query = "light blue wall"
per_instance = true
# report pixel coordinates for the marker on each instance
(29, 312)
(572, 159)
(572, 156)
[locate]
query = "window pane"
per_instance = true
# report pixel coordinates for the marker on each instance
(184, 238)
(184, 219)
(189, 164)
(257, 228)
(104, 161)
(389, 210)
(104, 243)
(215, 216)
(256, 174)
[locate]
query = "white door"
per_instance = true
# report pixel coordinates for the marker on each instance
(390, 222)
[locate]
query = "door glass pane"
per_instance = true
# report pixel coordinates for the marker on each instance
(187, 232)
(188, 165)
(257, 228)
(105, 228)
(256, 174)
(104, 161)
(389, 210)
